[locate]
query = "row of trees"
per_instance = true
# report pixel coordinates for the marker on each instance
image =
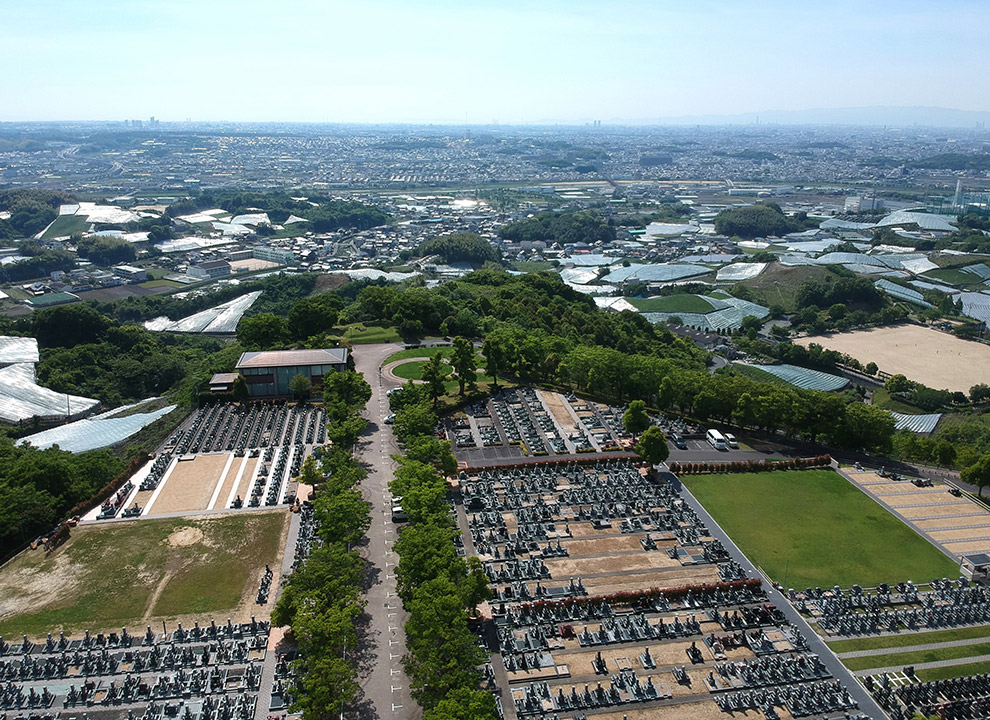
(322, 598)
(439, 589)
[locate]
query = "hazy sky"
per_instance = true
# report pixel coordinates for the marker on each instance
(508, 61)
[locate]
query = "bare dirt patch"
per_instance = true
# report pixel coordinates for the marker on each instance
(184, 537)
(191, 484)
(935, 358)
(558, 408)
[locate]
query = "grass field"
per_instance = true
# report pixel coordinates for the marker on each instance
(135, 573)
(759, 375)
(882, 399)
(908, 639)
(815, 528)
(779, 284)
(672, 303)
(161, 283)
(917, 657)
(953, 671)
(413, 370)
(66, 225)
(444, 352)
(952, 276)
(361, 334)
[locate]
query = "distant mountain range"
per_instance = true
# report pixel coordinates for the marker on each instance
(894, 116)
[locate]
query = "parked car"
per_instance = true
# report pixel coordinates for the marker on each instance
(678, 441)
(730, 440)
(389, 419)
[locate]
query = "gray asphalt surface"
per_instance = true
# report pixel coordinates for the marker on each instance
(382, 679)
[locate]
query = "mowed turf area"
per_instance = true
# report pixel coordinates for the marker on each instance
(672, 303)
(809, 528)
(132, 574)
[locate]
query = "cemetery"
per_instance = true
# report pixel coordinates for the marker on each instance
(224, 457)
(953, 522)
(816, 528)
(530, 422)
(610, 595)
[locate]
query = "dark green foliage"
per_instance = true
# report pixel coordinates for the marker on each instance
(953, 161)
(38, 487)
(460, 247)
(759, 220)
(31, 211)
(652, 446)
(106, 251)
(262, 332)
(560, 228)
(41, 265)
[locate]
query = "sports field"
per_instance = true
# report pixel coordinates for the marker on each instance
(135, 574)
(932, 357)
(808, 528)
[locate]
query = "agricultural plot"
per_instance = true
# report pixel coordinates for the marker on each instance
(134, 574)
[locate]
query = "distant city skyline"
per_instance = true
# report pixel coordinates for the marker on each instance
(511, 62)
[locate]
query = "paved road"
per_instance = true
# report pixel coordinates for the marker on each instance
(385, 686)
(815, 643)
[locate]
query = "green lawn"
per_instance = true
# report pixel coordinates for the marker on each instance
(445, 352)
(672, 303)
(907, 639)
(531, 266)
(361, 334)
(882, 399)
(66, 225)
(953, 671)
(161, 283)
(779, 284)
(917, 657)
(413, 370)
(952, 276)
(759, 375)
(814, 528)
(105, 576)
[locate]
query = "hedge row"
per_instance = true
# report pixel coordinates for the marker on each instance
(750, 466)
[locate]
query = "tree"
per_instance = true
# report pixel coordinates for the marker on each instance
(414, 420)
(464, 363)
(897, 383)
(979, 393)
(348, 387)
(635, 419)
(432, 451)
(652, 446)
(871, 368)
(432, 373)
(262, 331)
(309, 473)
(464, 703)
(240, 389)
(978, 473)
(495, 357)
(300, 386)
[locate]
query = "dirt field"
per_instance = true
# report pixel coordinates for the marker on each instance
(191, 484)
(937, 359)
(137, 573)
(560, 413)
(252, 264)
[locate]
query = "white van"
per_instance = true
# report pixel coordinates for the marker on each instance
(716, 440)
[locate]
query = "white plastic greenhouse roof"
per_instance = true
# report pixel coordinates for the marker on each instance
(654, 273)
(740, 271)
(220, 319)
(804, 378)
(921, 424)
(21, 398)
(18, 350)
(95, 432)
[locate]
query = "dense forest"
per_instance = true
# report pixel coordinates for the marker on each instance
(562, 228)
(763, 219)
(31, 211)
(460, 247)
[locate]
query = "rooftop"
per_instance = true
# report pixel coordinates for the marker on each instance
(292, 358)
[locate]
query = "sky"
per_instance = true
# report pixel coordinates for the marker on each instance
(468, 61)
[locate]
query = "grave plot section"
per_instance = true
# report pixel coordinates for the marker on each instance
(610, 596)
(223, 458)
(531, 423)
(209, 673)
(954, 522)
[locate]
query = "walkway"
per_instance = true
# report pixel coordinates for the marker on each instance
(383, 680)
(913, 648)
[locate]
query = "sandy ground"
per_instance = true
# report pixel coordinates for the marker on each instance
(938, 511)
(558, 409)
(574, 567)
(950, 523)
(963, 534)
(937, 359)
(937, 500)
(688, 575)
(969, 547)
(601, 546)
(707, 710)
(231, 476)
(251, 264)
(191, 484)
